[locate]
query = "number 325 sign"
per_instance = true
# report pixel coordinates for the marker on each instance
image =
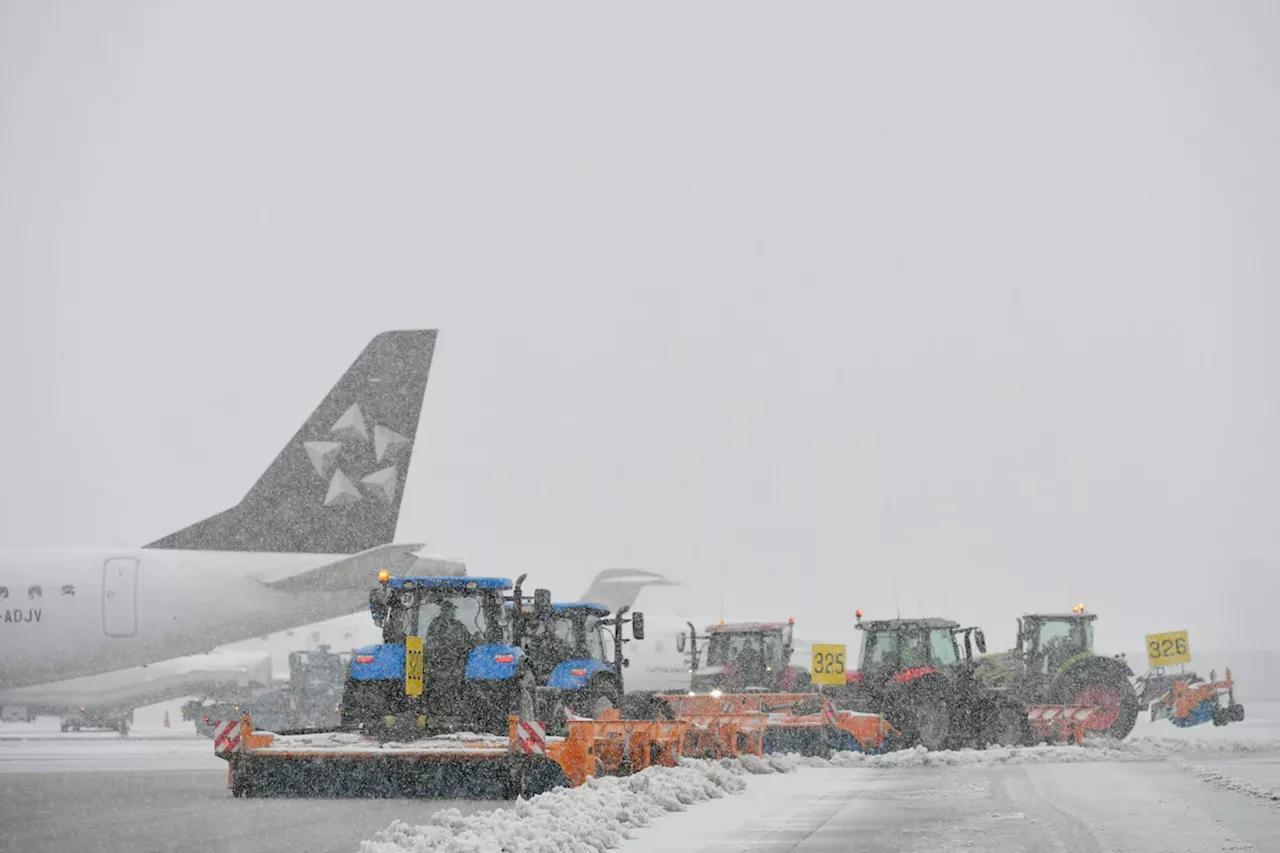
(828, 663)
(1168, 648)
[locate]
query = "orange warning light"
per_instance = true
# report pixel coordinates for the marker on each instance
(384, 576)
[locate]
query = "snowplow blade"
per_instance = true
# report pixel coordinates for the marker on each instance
(808, 723)
(1059, 722)
(344, 764)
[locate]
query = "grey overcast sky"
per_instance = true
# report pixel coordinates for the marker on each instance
(810, 305)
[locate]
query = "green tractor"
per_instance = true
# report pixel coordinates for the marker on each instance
(1054, 663)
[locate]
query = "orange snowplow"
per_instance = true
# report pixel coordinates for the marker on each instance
(1191, 702)
(474, 766)
(799, 722)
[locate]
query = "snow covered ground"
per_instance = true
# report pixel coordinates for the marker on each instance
(1163, 789)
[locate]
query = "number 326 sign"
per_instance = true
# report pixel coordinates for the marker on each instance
(1168, 648)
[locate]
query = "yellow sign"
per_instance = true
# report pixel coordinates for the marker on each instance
(1168, 648)
(828, 664)
(413, 666)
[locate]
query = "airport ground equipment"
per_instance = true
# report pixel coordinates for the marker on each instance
(88, 717)
(1192, 702)
(312, 698)
(744, 656)
(912, 672)
(1054, 664)
(523, 761)
(451, 659)
(807, 723)
(568, 648)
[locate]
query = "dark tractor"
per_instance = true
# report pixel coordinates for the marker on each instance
(913, 672)
(1054, 663)
(745, 657)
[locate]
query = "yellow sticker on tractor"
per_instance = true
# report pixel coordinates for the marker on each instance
(828, 663)
(413, 666)
(1168, 648)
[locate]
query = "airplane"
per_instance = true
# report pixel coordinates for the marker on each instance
(298, 549)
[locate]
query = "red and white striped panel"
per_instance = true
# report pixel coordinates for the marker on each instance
(1059, 714)
(531, 738)
(226, 736)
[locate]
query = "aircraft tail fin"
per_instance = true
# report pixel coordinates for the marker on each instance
(336, 486)
(617, 588)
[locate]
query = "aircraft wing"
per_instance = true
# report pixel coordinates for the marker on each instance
(360, 571)
(141, 686)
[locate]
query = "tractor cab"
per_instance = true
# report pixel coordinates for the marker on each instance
(903, 649)
(1048, 641)
(744, 656)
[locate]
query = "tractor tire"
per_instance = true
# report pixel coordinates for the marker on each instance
(923, 715)
(644, 706)
(1107, 689)
(1006, 725)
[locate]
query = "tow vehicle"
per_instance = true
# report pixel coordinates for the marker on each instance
(111, 719)
(1054, 663)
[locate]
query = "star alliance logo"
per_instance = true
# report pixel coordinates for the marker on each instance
(387, 445)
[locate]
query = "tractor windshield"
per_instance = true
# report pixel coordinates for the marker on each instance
(727, 648)
(581, 630)
(1057, 640)
(908, 647)
(448, 611)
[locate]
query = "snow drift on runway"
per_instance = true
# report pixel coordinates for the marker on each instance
(1093, 750)
(596, 816)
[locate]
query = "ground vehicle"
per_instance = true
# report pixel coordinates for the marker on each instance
(16, 714)
(745, 656)
(567, 651)
(451, 658)
(1054, 663)
(113, 719)
(311, 699)
(911, 670)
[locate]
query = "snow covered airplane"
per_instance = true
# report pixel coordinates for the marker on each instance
(301, 546)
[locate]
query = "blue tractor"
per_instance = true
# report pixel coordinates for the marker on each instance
(451, 658)
(567, 646)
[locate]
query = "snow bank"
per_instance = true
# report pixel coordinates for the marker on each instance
(1091, 751)
(1229, 783)
(593, 817)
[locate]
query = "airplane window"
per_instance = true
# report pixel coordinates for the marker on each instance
(68, 589)
(4, 592)
(34, 592)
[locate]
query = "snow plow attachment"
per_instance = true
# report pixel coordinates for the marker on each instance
(1191, 702)
(346, 764)
(461, 766)
(1060, 723)
(808, 723)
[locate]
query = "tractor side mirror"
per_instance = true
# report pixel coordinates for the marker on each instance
(980, 641)
(681, 642)
(541, 600)
(637, 625)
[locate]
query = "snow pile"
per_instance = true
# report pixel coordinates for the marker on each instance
(596, 816)
(1229, 783)
(1092, 750)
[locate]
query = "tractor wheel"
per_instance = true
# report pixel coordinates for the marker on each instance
(1007, 726)
(1111, 693)
(924, 717)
